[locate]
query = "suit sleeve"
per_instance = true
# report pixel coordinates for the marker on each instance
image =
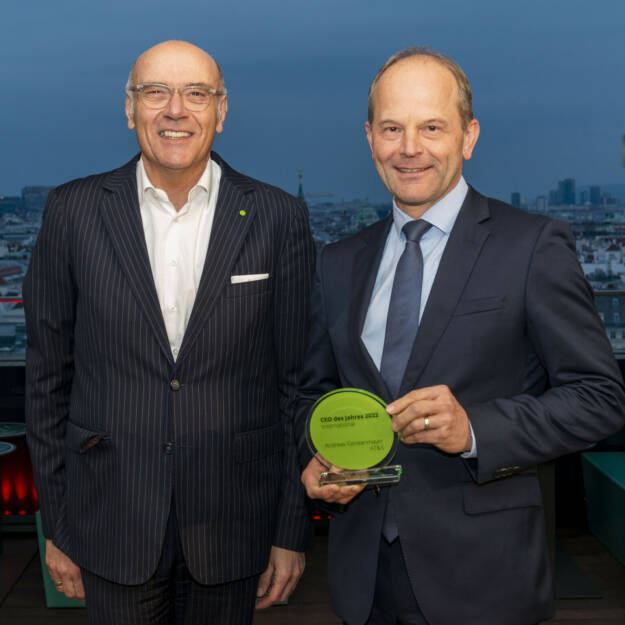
(583, 399)
(292, 292)
(49, 303)
(319, 372)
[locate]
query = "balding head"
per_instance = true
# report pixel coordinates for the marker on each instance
(465, 105)
(173, 54)
(175, 132)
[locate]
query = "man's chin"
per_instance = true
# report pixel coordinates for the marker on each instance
(175, 165)
(413, 203)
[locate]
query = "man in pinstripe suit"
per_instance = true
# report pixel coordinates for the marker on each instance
(165, 306)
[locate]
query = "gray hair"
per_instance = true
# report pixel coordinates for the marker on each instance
(465, 100)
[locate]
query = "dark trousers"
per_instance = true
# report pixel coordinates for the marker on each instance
(171, 596)
(394, 602)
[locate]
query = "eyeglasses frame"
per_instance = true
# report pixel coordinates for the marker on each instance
(139, 87)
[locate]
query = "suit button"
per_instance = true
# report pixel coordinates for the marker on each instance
(168, 448)
(175, 384)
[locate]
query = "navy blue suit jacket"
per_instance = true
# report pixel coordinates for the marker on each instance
(117, 428)
(510, 327)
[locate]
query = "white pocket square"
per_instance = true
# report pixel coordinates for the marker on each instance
(250, 277)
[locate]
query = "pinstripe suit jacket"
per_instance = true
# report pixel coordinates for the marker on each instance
(116, 428)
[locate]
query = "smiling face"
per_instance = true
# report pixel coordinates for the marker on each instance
(416, 136)
(175, 142)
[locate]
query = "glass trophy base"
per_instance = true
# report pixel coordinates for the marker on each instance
(377, 475)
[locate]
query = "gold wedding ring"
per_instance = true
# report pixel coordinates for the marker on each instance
(58, 584)
(426, 423)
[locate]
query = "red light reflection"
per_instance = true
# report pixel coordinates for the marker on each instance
(17, 488)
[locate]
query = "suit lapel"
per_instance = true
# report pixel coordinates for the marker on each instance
(364, 273)
(234, 213)
(462, 250)
(122, 218)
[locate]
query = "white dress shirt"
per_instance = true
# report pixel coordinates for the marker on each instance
(177, 242)
(442, 216)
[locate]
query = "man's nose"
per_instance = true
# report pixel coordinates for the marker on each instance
(411, 143)
(176, 107)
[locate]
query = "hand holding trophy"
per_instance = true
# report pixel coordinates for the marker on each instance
(349, 431)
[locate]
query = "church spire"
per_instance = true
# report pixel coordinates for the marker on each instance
(300, 189)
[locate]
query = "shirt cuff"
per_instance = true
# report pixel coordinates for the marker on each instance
(473, 452)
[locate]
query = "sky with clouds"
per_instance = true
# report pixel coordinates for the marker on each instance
(547, 77)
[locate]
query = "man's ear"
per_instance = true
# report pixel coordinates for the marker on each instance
(129, 113)
(471, 134)
(369, 135)
(222, 109)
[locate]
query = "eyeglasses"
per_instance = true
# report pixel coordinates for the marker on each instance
(157, 96)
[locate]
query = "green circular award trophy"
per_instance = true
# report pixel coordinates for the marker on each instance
(349, 431)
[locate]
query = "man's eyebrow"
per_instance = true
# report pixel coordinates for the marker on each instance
(433, 120)
(200, 84)
(189, 84)
(436, 120)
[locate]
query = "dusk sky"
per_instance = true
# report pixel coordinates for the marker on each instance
(548, 83)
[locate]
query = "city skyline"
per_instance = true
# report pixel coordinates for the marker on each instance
(546, 85)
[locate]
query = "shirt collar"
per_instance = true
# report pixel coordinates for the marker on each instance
(442, 215)
(145, 184)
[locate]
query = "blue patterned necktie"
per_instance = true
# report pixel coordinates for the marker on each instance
(402, 322)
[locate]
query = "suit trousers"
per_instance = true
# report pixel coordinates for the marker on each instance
(171, 596)
(394, 602)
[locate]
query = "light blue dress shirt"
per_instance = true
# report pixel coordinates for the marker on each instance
(442, 216)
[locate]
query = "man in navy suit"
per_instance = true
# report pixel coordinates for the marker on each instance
(165, 306)
(500, 363)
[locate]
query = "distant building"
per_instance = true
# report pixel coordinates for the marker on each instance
(34, 198)
(515, 199)
(10, 205)
(607, 199)
(566, 191)
(300, 187)
(541, 203)
(553, 198)
(611, 309)
(595, 194)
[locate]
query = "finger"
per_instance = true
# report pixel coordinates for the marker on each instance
(60, 577)
(288, 588)
(347, 493)
(416, 410)
(69, 588)
(333, 493)
(80, 589)
(54, 576)
(426, 424)
(72, 582)
(264, 581)
(427, 438)
(326, 493)
(270, 598)
(420, 394)
(59, 584)
(298, 571)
